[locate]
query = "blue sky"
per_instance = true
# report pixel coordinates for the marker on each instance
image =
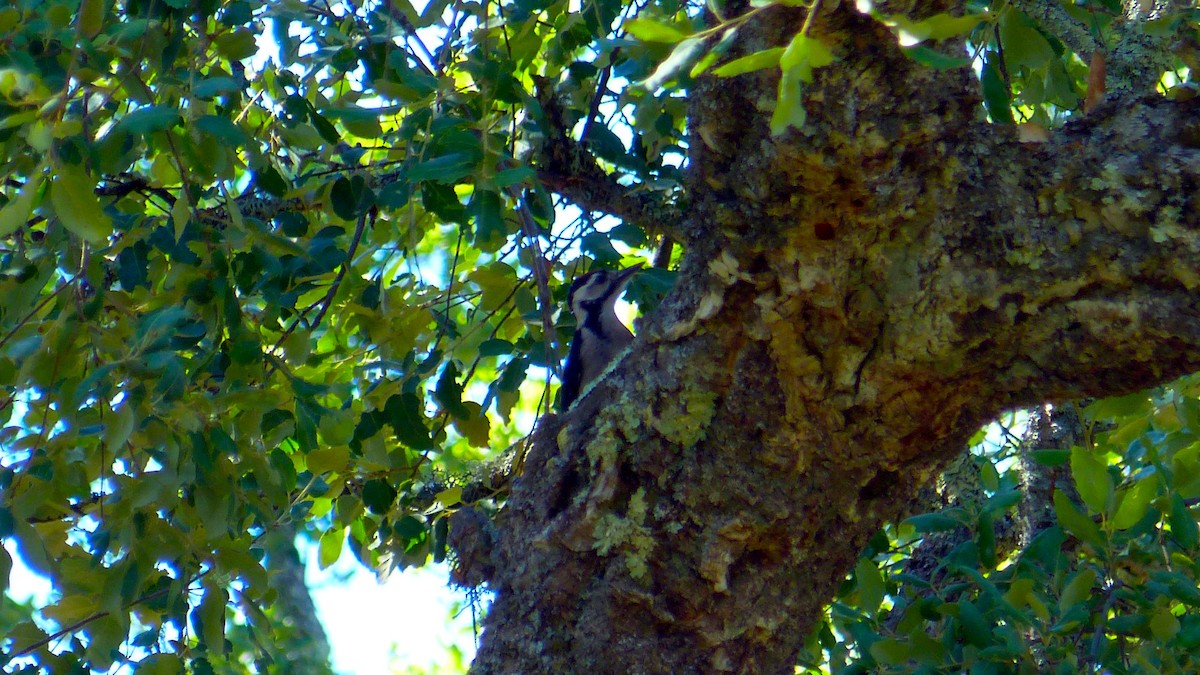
(379, 628)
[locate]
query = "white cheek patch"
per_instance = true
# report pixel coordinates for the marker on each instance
(594, 289)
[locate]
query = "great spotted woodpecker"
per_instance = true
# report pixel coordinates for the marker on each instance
(599, 334)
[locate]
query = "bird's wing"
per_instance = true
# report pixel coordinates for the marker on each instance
(572, 377)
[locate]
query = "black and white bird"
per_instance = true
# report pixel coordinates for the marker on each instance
(599, 334)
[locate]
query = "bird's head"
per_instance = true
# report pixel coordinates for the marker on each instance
(598, 290)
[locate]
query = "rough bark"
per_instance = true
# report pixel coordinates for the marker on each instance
(856, 299)
(1049, 427)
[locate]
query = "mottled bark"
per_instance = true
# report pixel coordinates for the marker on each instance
(1050, 427)
(856, 299)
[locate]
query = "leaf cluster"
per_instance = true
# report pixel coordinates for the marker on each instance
(1107, 582)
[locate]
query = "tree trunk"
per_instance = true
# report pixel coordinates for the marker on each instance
(856, 299)
(307, 647)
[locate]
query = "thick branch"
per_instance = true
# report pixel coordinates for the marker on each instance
(1082, 249)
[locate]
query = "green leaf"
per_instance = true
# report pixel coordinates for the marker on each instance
(789, 104)
(1135, 405)
(410, 528)
(449, 497)
(238, 556)
(211, 87)
(1078, 589)
(330, 547)
(149, 119)
(223, 129)
(395, 194)
(351, 197)
(475, 427)
(416, 84)
(1182, 587)
(1135, 502)
(942, 26)
(648, 30)
(927, 56)
(119, 426)
(1024, 45)
(515, 176)
(936, 27)
(1183, 524)
(16, 212)
(802, 56)
(1091, 480)
(684, 53)
(1164, 625)
(404, 414)
(237, 45)
(974, 627)
(600, 247)
(448, 392)
(487, 210)
(988, 475)
(160, 664)
(181, 215)
(1002, 501)
(605, 144)
(72, 192)
(209, 618)
(378, 495)
(751, 62)
(890, 651)
(308, 416)
(1185, 465)
(90, 17)
(1075, 522)
(495, 347)
(361, 122)
(870, 585)
(996, 97)
(337, 427)
(441, 531)
(445, 169)
(105, 635)
(324, 127)
(327, 460)
(629, 233)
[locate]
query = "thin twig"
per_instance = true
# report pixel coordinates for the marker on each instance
(337, 280)
(598, 97)
(539, 265)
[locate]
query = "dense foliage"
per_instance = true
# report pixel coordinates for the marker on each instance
(1111, 581)
(299, 264)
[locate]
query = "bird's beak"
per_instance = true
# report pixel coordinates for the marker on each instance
(627, 274)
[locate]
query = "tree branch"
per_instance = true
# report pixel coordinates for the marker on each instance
(1085, 246)
(566, 167)
(1138, 56)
